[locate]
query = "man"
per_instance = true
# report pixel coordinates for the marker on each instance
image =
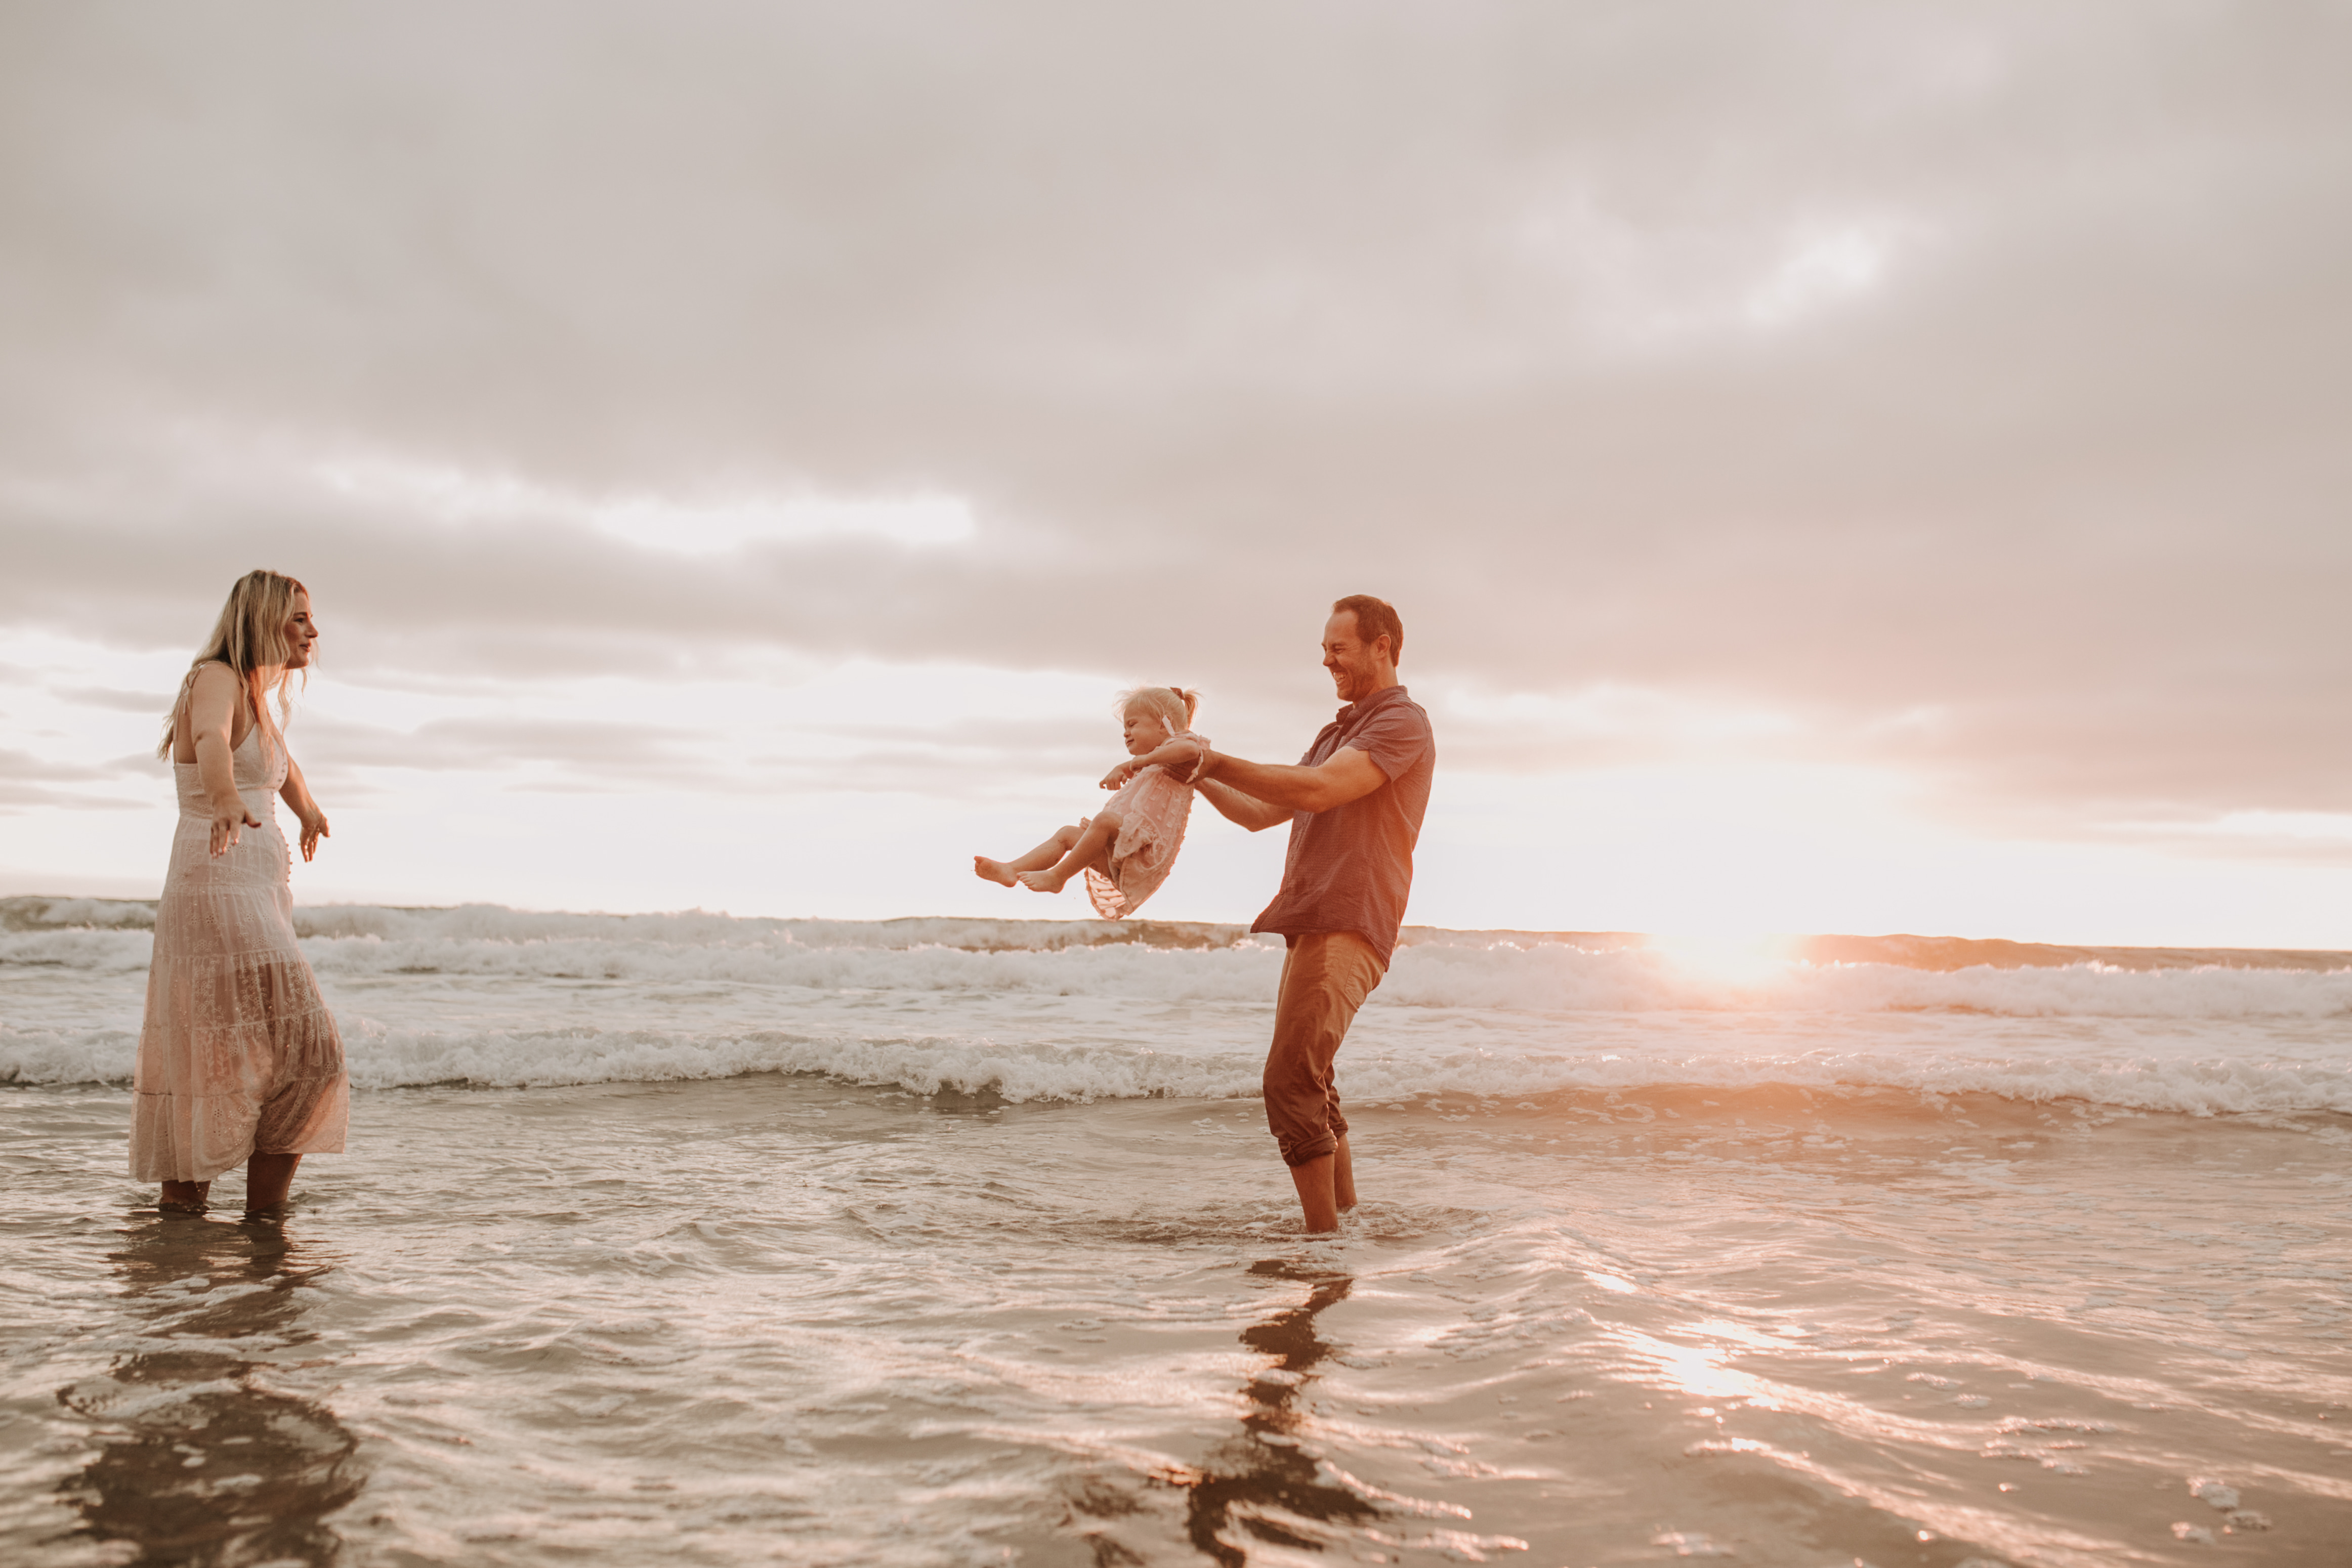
(1354, 804)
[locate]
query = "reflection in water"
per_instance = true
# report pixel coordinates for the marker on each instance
(1253, 1481)
(200, 1467)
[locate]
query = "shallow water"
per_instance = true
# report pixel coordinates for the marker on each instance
(781, 1318)
(689, 1240)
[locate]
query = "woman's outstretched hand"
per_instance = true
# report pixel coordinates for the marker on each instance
(314, 828)
(229, 823)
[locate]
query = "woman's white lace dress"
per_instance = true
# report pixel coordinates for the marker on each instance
(1153, 809)
(238, 1052)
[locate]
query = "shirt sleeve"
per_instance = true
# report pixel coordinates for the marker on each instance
(1396, 737)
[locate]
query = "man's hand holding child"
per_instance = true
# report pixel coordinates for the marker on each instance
(1178, 757)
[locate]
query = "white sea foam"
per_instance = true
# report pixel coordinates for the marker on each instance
(1382, 1064)
(1053, 1010)
(1053, 958)
(1391, 1056)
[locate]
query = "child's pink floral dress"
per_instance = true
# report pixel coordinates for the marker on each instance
(1153, 809)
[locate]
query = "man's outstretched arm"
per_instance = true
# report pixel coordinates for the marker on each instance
(1260, 794)
(1236, 806)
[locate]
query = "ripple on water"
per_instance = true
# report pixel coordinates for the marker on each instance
(705, 1323)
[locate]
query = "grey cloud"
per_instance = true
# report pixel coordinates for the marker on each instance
(439, 744)
(913, 771)
(600, 756)
(15, 798)
(1049, 742)
(27, 782)
(1219, 312)
(2199, 839)
(24, 765)
(156, 703)
(979, 759)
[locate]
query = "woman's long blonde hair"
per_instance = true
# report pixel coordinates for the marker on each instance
(250, 637)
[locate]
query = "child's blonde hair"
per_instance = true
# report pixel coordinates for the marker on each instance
(1171, 705)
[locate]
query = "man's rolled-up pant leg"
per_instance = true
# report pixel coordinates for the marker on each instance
(1324, 979)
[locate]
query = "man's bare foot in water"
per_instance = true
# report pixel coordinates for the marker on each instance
(1053, 879)
(994, 871)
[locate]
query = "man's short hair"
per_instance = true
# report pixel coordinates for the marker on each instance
(1375, 617)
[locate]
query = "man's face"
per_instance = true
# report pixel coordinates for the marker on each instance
(1355, 668)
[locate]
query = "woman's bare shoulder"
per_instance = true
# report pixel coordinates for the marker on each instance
(216, 697)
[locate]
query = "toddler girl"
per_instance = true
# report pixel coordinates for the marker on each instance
(1126, 848)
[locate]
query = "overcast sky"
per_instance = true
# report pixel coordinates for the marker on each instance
(1855, 467)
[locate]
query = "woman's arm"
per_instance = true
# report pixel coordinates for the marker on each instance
(296, 796)
(213, 702)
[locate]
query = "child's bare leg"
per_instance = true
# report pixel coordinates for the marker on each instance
(1092, 848)
(1009, 872)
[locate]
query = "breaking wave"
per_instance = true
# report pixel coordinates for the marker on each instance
(1082, 1010)
(1516, 971)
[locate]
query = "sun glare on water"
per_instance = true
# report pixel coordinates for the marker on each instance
(1726, 958)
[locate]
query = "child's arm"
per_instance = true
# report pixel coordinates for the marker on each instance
(1176, 756)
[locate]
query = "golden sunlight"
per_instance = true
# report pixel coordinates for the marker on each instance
(1728, 958)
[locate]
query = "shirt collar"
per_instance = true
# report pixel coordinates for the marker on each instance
(1366, 705)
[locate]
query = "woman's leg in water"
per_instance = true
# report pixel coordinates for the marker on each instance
(268, 1179)
(184, 1196)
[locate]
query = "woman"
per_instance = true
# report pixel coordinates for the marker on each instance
(239, 1061)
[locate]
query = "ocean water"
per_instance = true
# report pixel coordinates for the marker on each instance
(685, 1239)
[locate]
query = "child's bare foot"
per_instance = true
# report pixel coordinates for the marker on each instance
(1050, 880)
(994, 871)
